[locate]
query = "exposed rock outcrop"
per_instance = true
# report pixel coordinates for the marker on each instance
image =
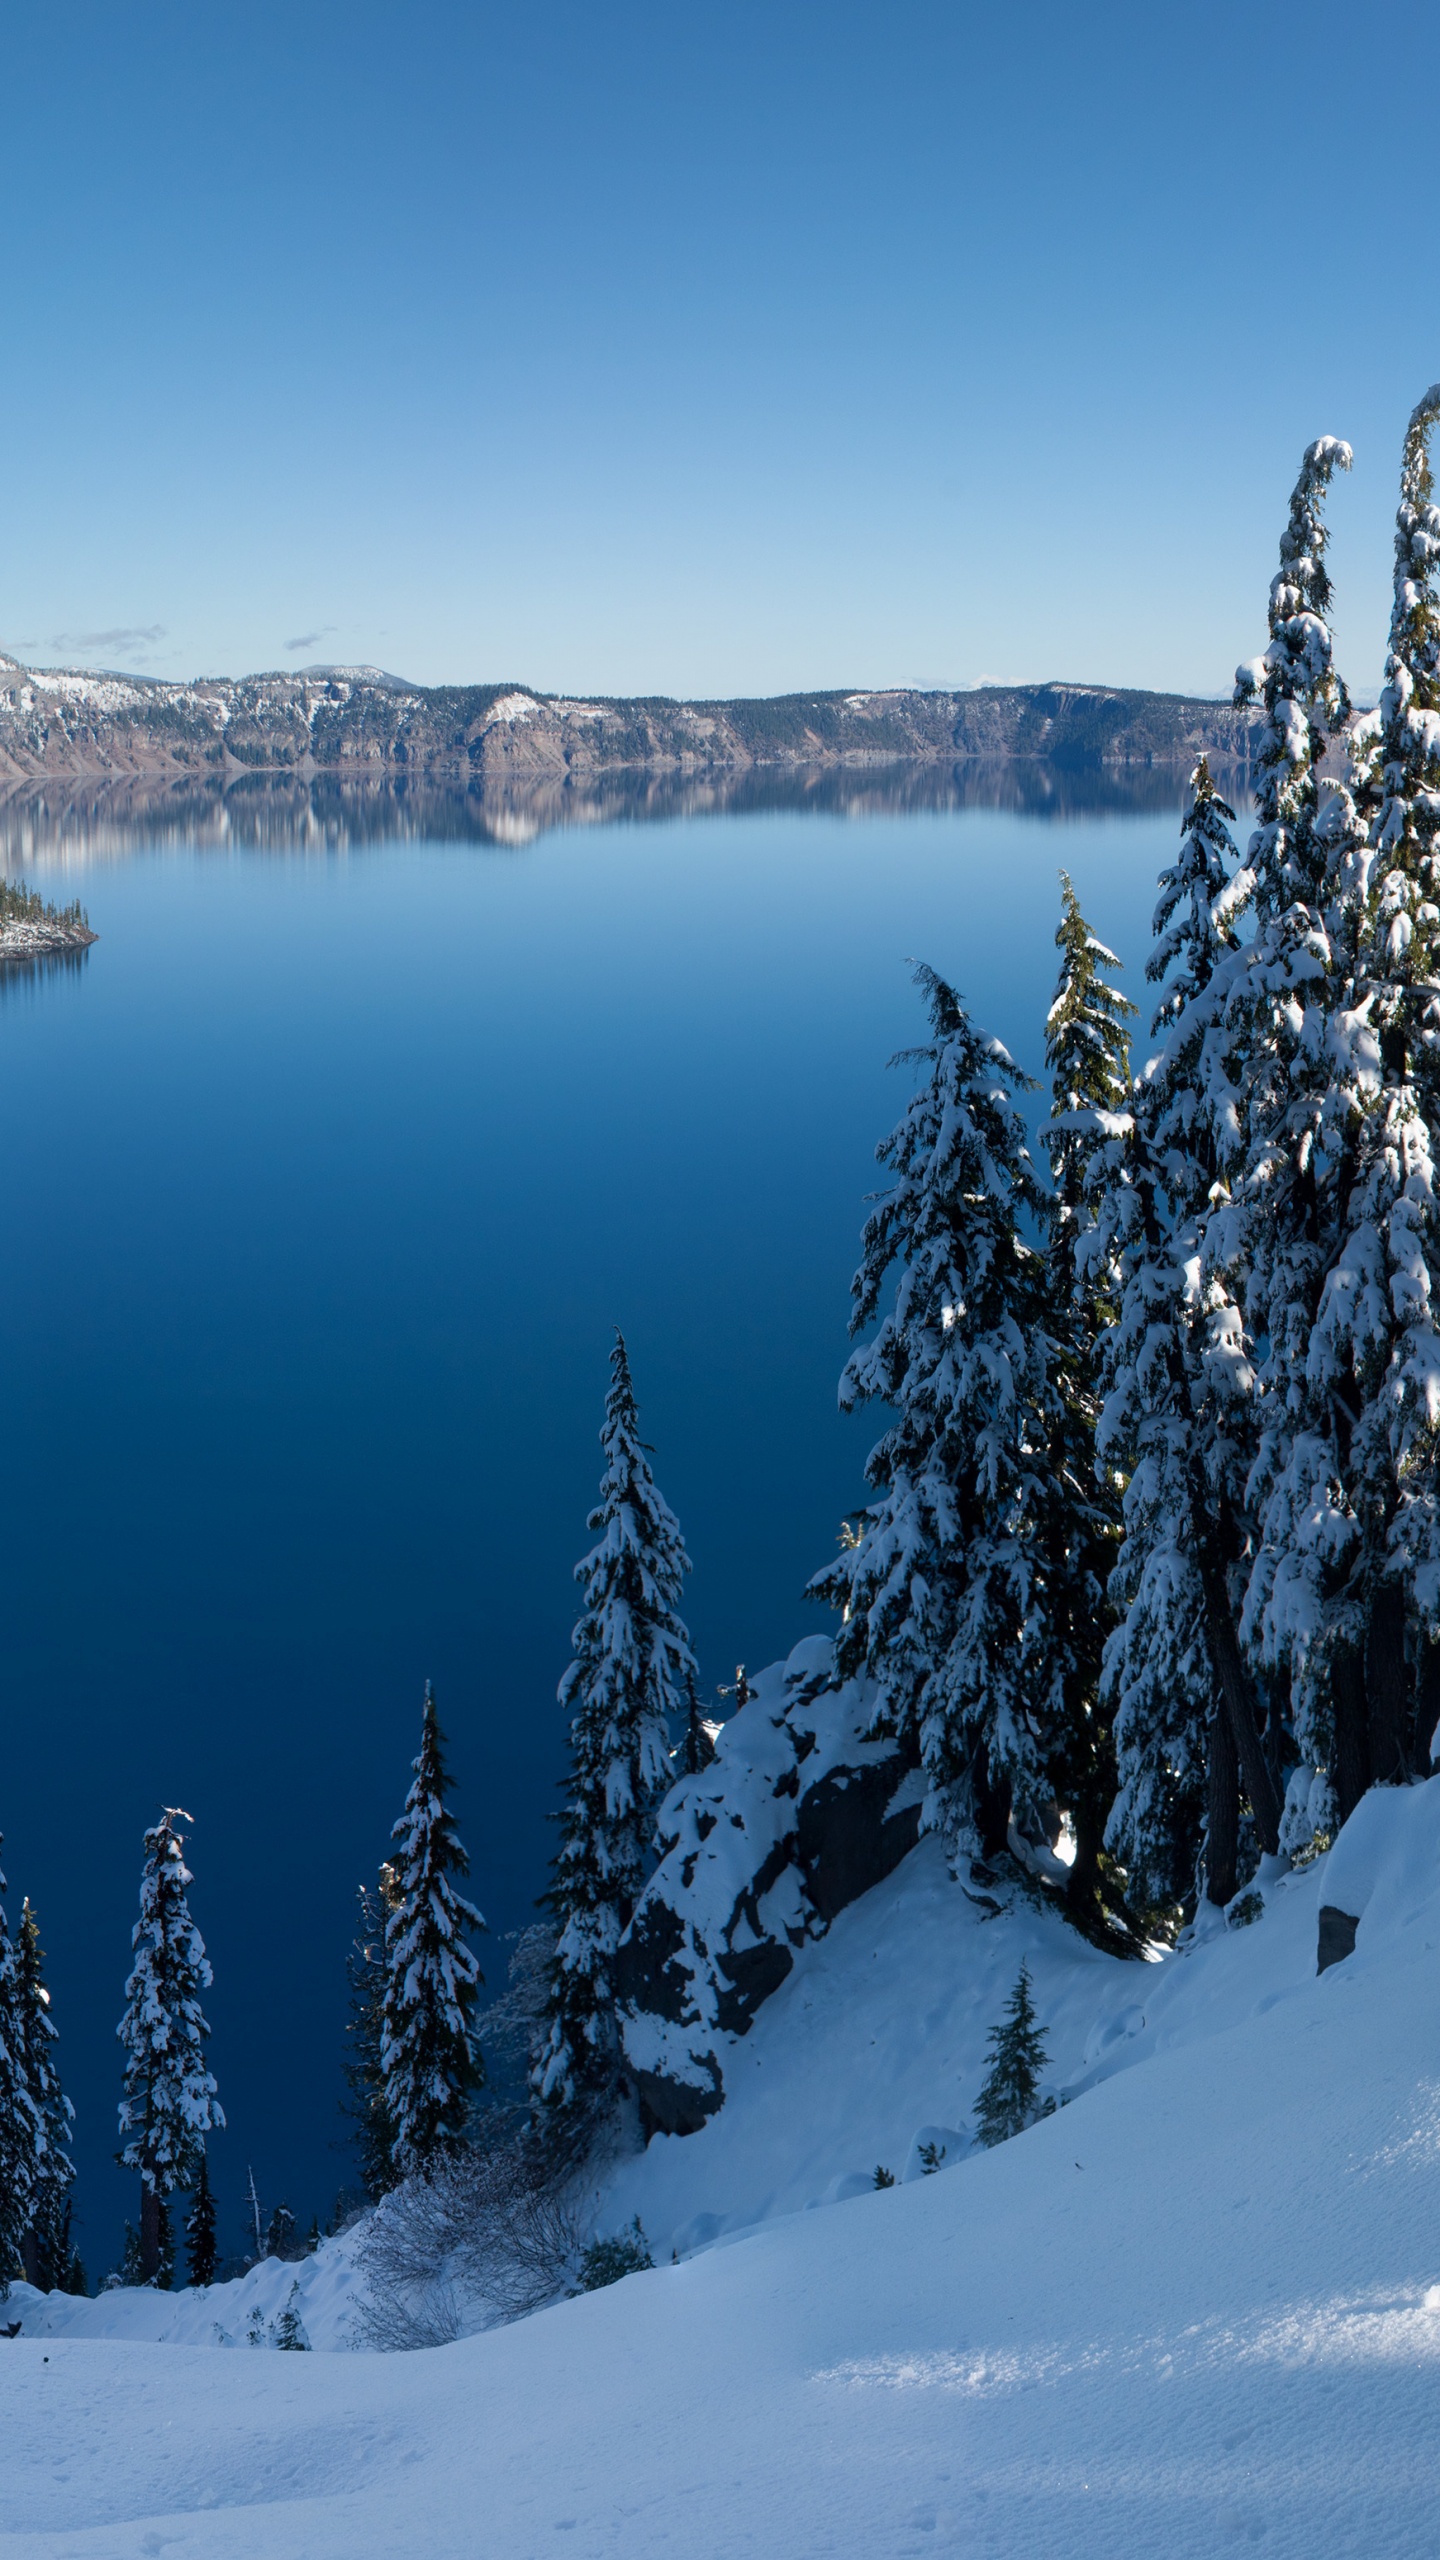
(798, 1815)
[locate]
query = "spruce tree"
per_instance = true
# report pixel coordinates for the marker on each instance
(289, 2330)
(1299, 697)
(374, 2135)
(200, 2229)
(170, 2101)
(58, 2265)
(429, 2056)
(1335, 1226)
(1185, 1709)
(22, 2132)
(1375, 1354)
(1087, 1052)
(939, 1594)
(629, 1676)
(1292, 1006)
(1010, 2099)
(52, 2114)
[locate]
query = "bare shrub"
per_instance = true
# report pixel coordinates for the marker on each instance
(499, 2227)
(495, 2231)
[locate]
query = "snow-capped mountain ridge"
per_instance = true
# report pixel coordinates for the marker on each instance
(361, 720)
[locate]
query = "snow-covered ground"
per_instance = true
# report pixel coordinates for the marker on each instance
(1196, 2310)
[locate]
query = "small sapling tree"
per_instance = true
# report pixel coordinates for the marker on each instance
(1010, 2099)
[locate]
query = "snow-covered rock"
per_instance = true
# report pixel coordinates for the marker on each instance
(799, 1814)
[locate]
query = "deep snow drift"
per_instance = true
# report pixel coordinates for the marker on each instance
(1197, 2309)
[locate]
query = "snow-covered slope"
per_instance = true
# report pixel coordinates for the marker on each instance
(323, 2291)
(1197, 2310)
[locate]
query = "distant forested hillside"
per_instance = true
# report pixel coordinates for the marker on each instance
(359, 721)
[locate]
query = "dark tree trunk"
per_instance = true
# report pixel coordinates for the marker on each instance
(149, 2234)
(1427, 1705)
(992, 1810)
(1352, 1730)
(1235, 1684)
(1222, 1807)
(1275, 1742)
(1083, 1884)
(1387, 1687)
(30, 2253)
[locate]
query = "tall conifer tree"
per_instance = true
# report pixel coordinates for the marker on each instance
(1375, 1352)
(1174, 1362)
(170, 2101)
(35, 2035)
(942, 1592)
(429, 2057)
(1293, 1003)
(22, 2133)
(630, 1675)
(364, 2070)
(1088, 1055)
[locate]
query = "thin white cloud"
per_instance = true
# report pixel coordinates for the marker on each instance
(131, 639)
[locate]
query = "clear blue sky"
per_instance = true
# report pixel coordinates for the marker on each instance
(703, 349)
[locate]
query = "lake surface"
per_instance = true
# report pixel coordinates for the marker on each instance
(327, 1174)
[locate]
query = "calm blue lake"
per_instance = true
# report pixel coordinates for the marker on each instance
(326, 1177)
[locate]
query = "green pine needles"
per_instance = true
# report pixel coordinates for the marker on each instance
(289, 2331)
(19, 905)
(200, 2229)
(1010, 2099)
(606, 2261)
(1087, 1050)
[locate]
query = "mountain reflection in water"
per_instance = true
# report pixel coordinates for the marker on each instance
(330, 813)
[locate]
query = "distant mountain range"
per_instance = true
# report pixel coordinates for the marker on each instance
(359, 722)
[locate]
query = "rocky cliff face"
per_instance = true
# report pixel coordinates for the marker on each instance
(358, 722)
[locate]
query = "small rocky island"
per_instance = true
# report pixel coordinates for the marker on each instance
(30, 929)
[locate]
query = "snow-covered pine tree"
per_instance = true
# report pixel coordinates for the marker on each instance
(939, 1595)
(1174, 1361)
(289, 2331)
(1293, 1003)
(1375, 1352)
(632, 1663)
(374, 2135)
(53, 2114)
(170, 2101)
(1010, 2099)
(429, 2056)
(200, 2229)
(1088, 1055)
(1299, 697)
(21, 2130)
(1087, 1050)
